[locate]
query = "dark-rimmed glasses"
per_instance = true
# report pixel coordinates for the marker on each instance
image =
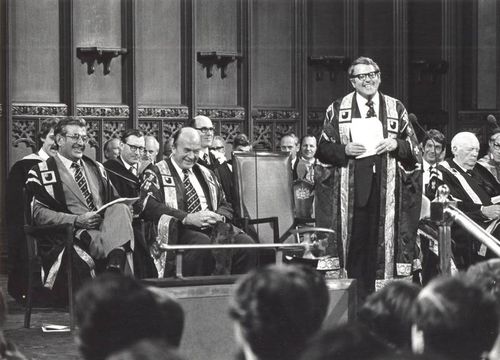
(362, 77)
(76, 137)
(206, 130)
(136, 148)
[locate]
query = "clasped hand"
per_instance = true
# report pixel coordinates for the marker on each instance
(202, 219)
(89, 220)
(491, 211)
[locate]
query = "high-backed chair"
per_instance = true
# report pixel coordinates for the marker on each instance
(264, 192)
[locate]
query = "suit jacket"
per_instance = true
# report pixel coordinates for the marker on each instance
(226, 178)
(214, 163)
(153, 193)
(125, 183)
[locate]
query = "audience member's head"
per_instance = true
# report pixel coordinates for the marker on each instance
(432, 146)
(276, 309)
(308, 146)
(132, 146)
(241, 143)
(346, 342)
(147, 349)
(112, 149)
(46, 136)
(455, 318)
(112, 312)
(387, 313)
(173, 316)
(218, 148)
(290, 144)
(152, 148)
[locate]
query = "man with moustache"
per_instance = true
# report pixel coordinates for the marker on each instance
(124, 174)
(375, 233)
(69, 188)
(17, 252)
(185, 200)
(206, 130)
(475, 189)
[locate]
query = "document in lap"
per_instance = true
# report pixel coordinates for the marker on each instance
(126, 201)
(367, 132)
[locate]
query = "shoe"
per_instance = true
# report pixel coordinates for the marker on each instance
(116, 261)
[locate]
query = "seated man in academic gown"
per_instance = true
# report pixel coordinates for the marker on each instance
(475, 190)
(123, 174)
(177, 193)
(70, 188)
(17, 264)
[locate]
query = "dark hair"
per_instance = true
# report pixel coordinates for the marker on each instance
(46, 125)
(106, 144)
(387, 312)
(486, 275)
(173, 317)
(279, 308)
(351, 341)
(307, 136)
(434, 135)
(131, 132)
(456, 317)
(147, 349)
(362, 61)
(114, 311)
(60, 128)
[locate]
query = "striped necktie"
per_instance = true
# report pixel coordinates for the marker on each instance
(192, 199)
(371, 110)
(82, 184)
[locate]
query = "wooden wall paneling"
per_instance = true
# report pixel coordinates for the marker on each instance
(326, 37)
(217, 27)
(275, 59)
(247, 52)
(98, 24)
(301, 14)
(375, 31)
(129, 70)
(449, 53)
(35, 51)
(68, 54)
(159, 52)
(424, 35)
(487, 73)
(400, 57)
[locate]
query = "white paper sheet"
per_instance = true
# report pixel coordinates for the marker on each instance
(367, 132)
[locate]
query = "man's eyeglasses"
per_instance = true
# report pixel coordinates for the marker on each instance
(136, 148)
(217, 148)
(76, 137)
(206, 130)
(372, 75)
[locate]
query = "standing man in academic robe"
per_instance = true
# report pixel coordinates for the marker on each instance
(185, 200)
(124, 175)
(375, 203)
(68, 189)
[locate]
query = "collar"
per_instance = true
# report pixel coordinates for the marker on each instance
(67, 162)
(179, 170)
(127, 165)
(426, 165)
(43, 155)
(311, 161)
(362, 100)
(463, 169)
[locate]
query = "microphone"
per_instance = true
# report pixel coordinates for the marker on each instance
(414, 121)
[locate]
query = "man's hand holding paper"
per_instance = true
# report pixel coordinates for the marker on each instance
(368, 133)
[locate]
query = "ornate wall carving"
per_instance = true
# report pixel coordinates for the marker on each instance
(39, 110)
(175, 112)
(223, 114)
(102, 111)
(23, 131)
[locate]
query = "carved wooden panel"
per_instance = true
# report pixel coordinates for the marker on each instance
(274, 53)
(230, 129)
(35, 62)
(158, 51)
(217, 30)
(268, 134)
(98, 24)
